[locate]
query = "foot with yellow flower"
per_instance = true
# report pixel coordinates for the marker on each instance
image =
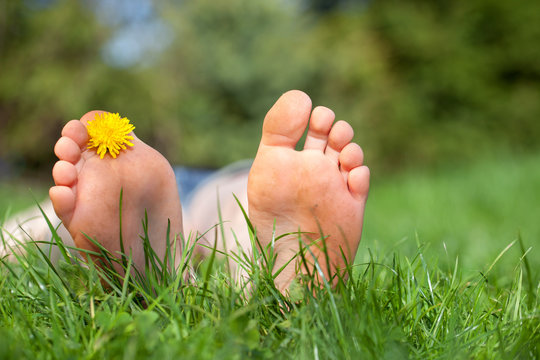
(321, 189)
(100, 158)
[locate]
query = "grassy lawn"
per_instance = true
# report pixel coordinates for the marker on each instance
(432, 280)
(471, 212)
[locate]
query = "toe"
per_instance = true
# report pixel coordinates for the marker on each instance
(350, 157)
(64, 173)
(67, 149)
(340, 135)
(89, 116)
(63, 200)
(320, 124)
(286, 121)
(76, 131)
(358, 182)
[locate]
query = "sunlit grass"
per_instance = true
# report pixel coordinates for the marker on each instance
(391, 307)
(472, 212)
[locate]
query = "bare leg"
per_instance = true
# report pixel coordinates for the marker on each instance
(213, 203)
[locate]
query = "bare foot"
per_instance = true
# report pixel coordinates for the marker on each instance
(87, 193)
(324, 187)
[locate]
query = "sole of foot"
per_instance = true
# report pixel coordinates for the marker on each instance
(321, 189)
(87, 195)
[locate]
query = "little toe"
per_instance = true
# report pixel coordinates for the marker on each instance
(64, 173)
(358, 182)
(63, 200)
(320, 124)
(286, 121)
(67, 149)
(76, 131)
(340, 135)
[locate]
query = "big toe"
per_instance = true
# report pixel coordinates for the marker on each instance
(287, 120)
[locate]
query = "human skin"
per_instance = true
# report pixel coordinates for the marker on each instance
(320, 190)
(87, 193)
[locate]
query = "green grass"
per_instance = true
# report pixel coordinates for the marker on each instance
(473, 212)
(404, 307)
(441, 273)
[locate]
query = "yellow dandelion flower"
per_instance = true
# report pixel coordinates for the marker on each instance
(109, 132)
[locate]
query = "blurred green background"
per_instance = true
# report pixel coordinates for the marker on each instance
(429, 86)
(424, 83)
